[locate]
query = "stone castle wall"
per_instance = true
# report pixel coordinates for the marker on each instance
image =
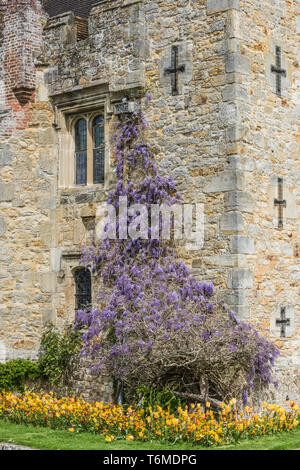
(27, 181)
(268, 149)
(226, 138)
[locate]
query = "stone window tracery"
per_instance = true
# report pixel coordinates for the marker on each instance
(89, 140)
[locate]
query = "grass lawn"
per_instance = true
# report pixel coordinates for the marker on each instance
(49, 439)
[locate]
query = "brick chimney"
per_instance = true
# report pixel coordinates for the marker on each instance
(21, 42)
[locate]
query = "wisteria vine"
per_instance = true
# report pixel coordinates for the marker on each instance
(153, 323)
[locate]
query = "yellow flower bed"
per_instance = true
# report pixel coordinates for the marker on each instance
(131, 423)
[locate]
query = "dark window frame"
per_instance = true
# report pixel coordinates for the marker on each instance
(83, 288)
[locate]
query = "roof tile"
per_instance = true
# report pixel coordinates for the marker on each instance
(81, 8)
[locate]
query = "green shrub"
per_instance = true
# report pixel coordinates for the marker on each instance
(57, 351)
(151, 397)
(13, 374)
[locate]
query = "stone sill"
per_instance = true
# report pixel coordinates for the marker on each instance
(81, 189)
(82, 195)
(60, 20)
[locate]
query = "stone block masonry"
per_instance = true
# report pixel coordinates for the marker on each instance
(226, 136)
(217, 6)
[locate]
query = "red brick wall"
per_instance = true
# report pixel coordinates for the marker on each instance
(22, 42)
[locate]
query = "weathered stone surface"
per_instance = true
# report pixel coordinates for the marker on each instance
(225, 181)
(234, 297)
(46, 234)
(90, 386)
(240, 279)
(229, 113)
(46, 165)
(2, 226)
(48, 283)
(242, 244)
(5, 155)
(217, 260)
(49, 317)
(84, 197)
(239, 201)
(242, 311)
(46, 137)
(235, 133)
(46, 203)
(216, 6)
(233, 91)
(56, 259)
(238, 63)
(232, 222)
(7, 191)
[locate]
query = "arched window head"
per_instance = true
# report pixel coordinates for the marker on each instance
(83, 288)
(98, 149)
(81, 151)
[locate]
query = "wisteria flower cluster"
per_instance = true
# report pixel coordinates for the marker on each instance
(153, 323)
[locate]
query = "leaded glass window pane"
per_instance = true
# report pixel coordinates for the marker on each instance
(83, 288)
(98, 166)
(80, 135)
(99, 149)
(81, 151)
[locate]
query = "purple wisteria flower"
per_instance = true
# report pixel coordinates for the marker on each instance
(152, 321)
